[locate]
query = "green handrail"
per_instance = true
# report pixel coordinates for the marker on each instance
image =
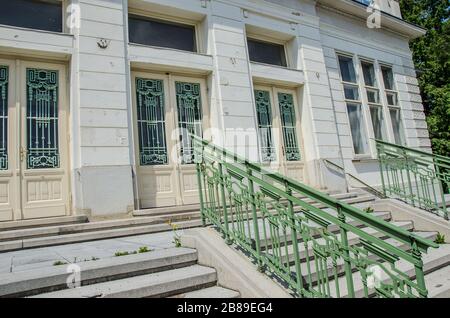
(265, 212)
(419, 178)
(366, 186)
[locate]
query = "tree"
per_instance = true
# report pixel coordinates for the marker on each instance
(431, 58)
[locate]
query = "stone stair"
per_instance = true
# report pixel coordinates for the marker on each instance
(67, 230)
(57, 231)
(172, 272)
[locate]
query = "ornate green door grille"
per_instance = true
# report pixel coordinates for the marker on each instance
(306, 247)
(189, 105)
(4, 117)
(288, 121)
(264, 114)
(151, 122)
(42, 119)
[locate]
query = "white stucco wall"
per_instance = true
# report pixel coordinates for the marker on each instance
(102, 150)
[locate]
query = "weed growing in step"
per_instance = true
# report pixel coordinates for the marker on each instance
(369, 210)
(124, 253)
(440, 239)
(59, 263)
(143, 249)
(176, 235)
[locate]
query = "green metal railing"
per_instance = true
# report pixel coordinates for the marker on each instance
(416, 177)
(315, 252)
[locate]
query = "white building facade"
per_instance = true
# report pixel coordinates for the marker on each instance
(97, 96)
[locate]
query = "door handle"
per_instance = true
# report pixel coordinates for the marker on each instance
(23, 154)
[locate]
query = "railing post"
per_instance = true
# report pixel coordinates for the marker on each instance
(381, 169)
(224, 205)
(255, 219)
(298, 270)
(441, 188)
(420, 275)
(198, 158)
(346, 246)
(409, 178)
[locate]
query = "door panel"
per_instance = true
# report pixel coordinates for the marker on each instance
(167, 109)
(34, 174)
(192, 117)
(8, 201)
(153, 113)
(44, 151)
(279, 128)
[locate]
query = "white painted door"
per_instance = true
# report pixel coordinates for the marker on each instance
(34, 174)
(279, 130)
(166, 109)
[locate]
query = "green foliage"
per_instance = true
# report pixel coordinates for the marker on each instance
(143, 249)
(124, 253)
(440, 239)
(176, 235)
(59, 263)
(369, 210)
(431, 54)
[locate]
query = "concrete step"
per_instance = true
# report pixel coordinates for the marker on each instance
(77, 228)
(353, 239)
(44, 222)
(438, 283)
(434, 260)
(194, 209)
(49, 279)
(161, 284)
(91, 235)
(211, 292)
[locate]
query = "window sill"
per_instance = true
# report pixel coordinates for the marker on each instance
(34, 30)
(166, 48)
(364, 159)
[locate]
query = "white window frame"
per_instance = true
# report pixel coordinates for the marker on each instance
(360, 102)
(269, 40)
(389, 107)
(170, 19)
(368, 105)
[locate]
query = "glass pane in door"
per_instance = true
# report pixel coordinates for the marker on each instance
(189, 106)
(151, 122)
(264, 114)
(3, 117)
(42, 119)
(288, 122)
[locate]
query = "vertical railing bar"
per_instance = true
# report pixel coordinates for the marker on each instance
(294, 238)
(345, 245)
(255, 219)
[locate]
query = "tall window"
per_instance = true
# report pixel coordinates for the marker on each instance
(34, 14)
(373, 99)
(162, 33)
(394, 108)
(265, 52)
(354, 107)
